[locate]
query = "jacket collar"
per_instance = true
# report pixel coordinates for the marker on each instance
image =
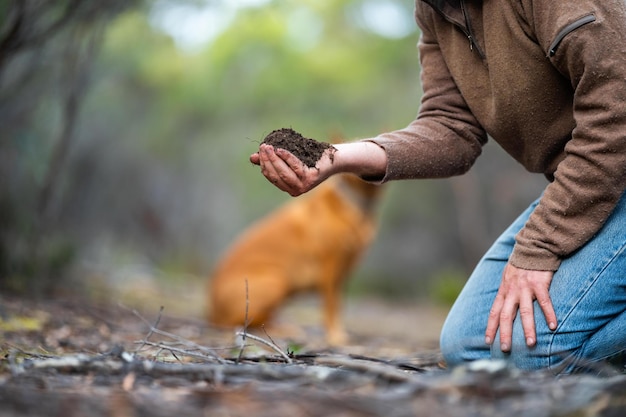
(451, 10)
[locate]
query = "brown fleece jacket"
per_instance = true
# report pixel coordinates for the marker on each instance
(545, 79)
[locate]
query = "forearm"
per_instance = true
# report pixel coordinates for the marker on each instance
(363, 158)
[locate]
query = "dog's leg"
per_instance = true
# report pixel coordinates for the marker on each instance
(335, 333)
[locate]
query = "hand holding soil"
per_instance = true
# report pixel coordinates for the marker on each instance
(293, 163)
(309, 151)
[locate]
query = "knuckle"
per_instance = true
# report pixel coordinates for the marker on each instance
(505, 317)
(544, 302)
(526, 311)
(298, 168)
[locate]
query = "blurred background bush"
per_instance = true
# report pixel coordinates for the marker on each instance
(126, 127)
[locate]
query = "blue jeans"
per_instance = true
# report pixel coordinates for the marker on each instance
(588, 293)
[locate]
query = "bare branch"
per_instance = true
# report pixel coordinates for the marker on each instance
(189, 343)
(151, 331)
(245, 325)
(174, 350)
(266, 343)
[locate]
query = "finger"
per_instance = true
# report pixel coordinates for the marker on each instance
(267, 165)
(494, 318)
(255, 158)
(276, 158)
(507, 315)
(278, 172)
(268, 162)
(545, 303)
(293, 162)
(297, 175)
(527, 317)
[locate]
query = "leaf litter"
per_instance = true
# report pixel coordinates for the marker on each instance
(112, 361)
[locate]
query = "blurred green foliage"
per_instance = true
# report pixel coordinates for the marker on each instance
(158, 175)
(447, 284)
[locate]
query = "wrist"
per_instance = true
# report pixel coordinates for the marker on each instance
(363, 158)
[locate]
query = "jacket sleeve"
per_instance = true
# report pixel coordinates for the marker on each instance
(445, 139)
(591, 178)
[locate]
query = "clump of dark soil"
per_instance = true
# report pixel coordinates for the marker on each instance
(307, 150)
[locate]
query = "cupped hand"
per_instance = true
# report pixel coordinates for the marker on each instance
(287, 172)
(518, 291)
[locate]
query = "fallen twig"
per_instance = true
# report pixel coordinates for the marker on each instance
(245, 325)
(378, 369)
(244, 334)
(266, 343)
(174, 350)
(153, 330)
(151, 327)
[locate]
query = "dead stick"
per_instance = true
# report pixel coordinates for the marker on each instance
(173, 350)
(245, 326)
(266, 343)
(377, 369)
(152, 327)
(267, 334)
(183, 341)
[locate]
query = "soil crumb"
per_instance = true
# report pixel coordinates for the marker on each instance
(307, 150)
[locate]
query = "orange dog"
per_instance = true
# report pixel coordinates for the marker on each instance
(311, 243)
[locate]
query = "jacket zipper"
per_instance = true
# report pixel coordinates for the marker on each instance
(468, 32)
(567, 30)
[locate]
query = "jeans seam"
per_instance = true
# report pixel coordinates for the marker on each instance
(619, 249)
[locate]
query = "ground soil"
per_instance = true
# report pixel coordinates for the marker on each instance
(75, 357)
(307, 150)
